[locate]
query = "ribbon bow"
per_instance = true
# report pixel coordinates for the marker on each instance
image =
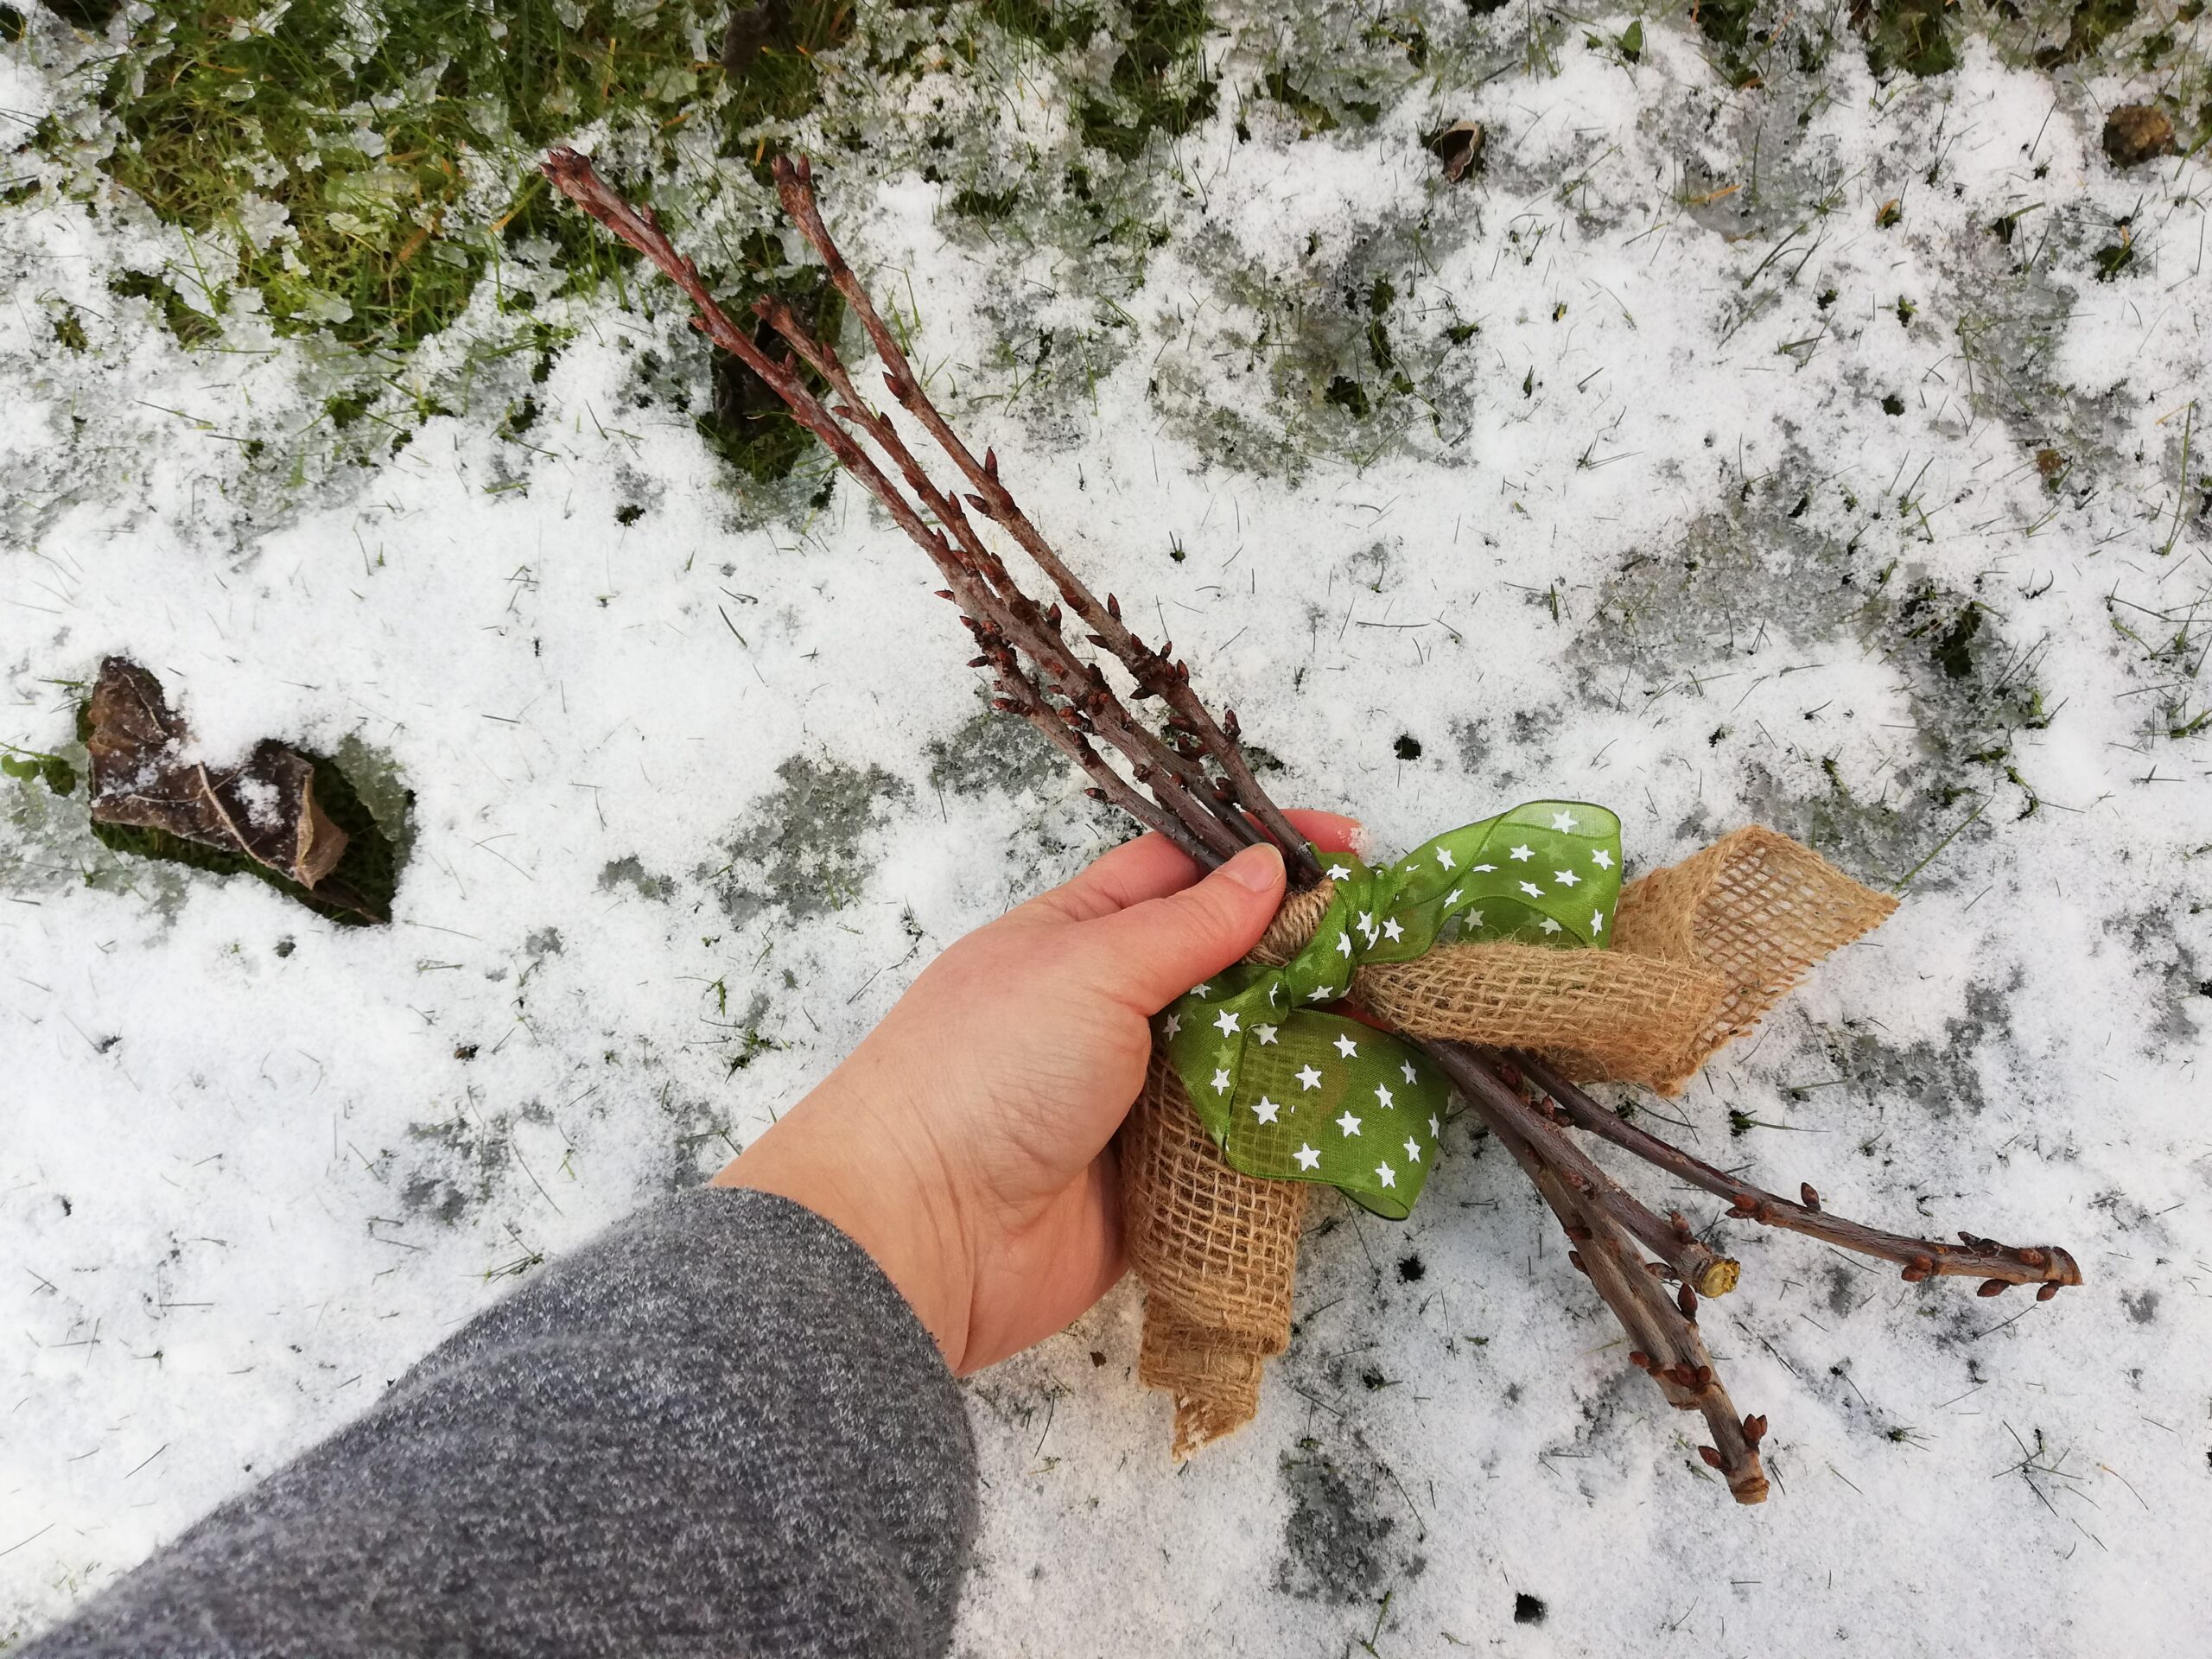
(1291, 1093)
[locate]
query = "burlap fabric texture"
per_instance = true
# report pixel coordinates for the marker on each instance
(1702, 949)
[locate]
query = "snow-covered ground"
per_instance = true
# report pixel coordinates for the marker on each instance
(1715, 489)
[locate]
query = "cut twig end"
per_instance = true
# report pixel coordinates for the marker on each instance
(1720, 1277)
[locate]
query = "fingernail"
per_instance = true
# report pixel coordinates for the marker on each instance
(1358, 839)
(1259, 868)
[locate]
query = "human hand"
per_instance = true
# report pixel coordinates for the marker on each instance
(965, 1143)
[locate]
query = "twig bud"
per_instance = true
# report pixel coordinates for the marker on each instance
(1711, 1456)
(946, 593)
(1574, 1260)
(2044, 1293)
(1229, 725)
(1112, 607)
(991, 465)
(1638, 1359)
(1755, 1427)
(1808, 1197)
(1686, 1298)
(1992, 1287)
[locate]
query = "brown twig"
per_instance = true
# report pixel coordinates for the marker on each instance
(1153, 670)
(1035, 630)
(1997, 1265)
(575, 178)
(1663, 1330)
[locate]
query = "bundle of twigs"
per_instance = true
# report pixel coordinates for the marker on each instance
(1189, 782)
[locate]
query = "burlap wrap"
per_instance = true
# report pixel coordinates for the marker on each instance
(1702, 949)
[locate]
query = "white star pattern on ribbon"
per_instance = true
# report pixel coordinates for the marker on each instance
(1408, 905)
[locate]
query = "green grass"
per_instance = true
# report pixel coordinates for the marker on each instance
(1156, 86)
(377, 135)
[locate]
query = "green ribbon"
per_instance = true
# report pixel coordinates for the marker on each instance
(1292, 1093)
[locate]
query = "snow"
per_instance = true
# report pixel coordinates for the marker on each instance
(678, 840)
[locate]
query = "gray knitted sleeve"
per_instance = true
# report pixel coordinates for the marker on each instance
(718, 1429)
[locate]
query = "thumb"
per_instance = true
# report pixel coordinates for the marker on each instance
(1150, 954)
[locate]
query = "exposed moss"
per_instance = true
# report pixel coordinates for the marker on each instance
(1914, 36)
(192, 327)
(366, 129)
(1052, 27)
(2090, 24)
(992, 751)
(1155, 87)
(1313, 115)
(989, 205)
(748, 426)
(803, 846)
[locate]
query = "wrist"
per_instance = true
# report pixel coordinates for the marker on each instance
(891, 1197)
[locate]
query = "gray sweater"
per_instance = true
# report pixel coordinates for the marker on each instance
(718, 1429)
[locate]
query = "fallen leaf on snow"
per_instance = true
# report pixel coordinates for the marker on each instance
(144, 777)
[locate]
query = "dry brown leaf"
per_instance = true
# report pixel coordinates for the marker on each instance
(143, 777)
